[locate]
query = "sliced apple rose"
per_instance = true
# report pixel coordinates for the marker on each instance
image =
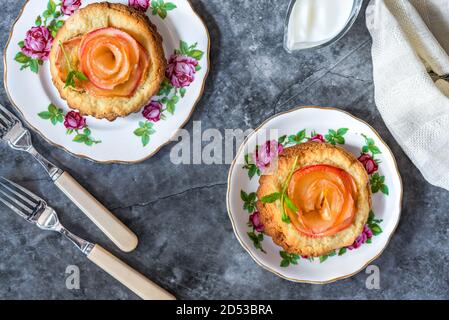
(112, 60)
(325, 197)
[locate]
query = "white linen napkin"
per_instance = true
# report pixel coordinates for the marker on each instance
(410, 40)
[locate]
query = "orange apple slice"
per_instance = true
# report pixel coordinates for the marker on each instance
(108, 57)
(325, 197)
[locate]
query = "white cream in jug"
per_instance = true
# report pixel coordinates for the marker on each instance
(313, 22)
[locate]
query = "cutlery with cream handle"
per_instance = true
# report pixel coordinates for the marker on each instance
(19, 138)
(36, 211)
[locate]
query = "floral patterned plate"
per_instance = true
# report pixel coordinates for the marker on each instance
(294, 127)
(126, 140)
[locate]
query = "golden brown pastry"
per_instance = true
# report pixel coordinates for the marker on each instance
(119, 54)
(328, 187)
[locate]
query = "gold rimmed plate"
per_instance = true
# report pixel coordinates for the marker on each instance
(126, 140)
(298, 126)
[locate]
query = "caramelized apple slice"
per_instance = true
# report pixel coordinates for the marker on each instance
(71, 49)
(128, 88)
(108, 57)
(325, 196)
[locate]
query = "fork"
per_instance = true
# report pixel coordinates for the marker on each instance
(36, 211)
(19, 138)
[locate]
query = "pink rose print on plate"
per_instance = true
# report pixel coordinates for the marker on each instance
(73, 120)
(255, 221)
(369, 163)
(361, 239)
(181, 70)
(317, 138)
(68, 7)
(37, 44)
(265, 154)
(141, 5)
(153, 111)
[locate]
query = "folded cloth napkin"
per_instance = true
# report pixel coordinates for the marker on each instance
(410, 56)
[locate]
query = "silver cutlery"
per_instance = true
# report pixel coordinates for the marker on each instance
(19, 138)
(36, 211)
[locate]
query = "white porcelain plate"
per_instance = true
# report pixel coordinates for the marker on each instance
(338, 127)
(125, 140)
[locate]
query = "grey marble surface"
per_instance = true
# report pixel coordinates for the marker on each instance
(179, 212)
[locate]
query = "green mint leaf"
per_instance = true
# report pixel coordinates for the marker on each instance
(271, 197)
(290, 204)
(69, 81)
(80, 76)
(285, 218)
(342, 251)
(323, 258)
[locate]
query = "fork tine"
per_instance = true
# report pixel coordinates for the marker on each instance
(19, 195)
(25, 191)
(3, 121)
(11, 202)
(6, 117)
(13, 208)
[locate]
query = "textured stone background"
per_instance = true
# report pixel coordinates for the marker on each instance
(186, 240)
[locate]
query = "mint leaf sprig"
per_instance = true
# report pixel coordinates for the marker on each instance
(72, 74)
(282, 196)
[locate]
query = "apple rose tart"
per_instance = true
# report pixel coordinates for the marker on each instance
(316, 200)
(107, 60)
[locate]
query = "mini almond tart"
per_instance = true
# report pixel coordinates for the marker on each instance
(120, 52)
(330, 189)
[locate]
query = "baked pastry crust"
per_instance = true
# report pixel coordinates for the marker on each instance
(138, 25)
(286, 235)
